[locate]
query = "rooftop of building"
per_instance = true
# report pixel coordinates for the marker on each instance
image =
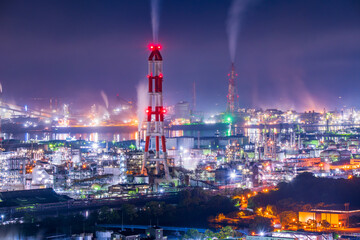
(308, 233)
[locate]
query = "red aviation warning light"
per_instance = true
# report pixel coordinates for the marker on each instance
(154, 47)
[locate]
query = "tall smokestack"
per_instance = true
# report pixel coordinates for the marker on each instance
(194, 97)
(232, 96)
(155, 113)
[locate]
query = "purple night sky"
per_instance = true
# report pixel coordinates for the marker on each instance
(300, 54)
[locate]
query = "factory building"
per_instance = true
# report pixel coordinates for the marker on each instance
(337, 218)
(333, 156)
(292, 236)
(205, 142)
(134, 160)
(12, 170)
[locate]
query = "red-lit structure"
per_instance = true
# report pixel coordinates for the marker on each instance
(232, 95)
(155, 115)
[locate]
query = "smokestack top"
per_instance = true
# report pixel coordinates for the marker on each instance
(154, 48)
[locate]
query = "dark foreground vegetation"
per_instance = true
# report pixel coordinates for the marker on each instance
(199, 208)
(306, 192)
(192, 209)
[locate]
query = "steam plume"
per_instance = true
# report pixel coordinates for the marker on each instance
(155, 21)
(236, 11)
(105, 98)
(142, 102)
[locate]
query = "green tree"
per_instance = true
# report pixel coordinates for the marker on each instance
(192, 234)
(306, 207)
(129, 211)
(225, 232)
(107, 215)
(209, 234)
(252, 204)
(155, 209)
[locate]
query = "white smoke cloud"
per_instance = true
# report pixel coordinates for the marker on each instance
(155, 19)
(105, 99)
(235, 17)
(142, 102)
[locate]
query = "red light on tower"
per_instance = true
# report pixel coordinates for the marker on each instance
(154, 47)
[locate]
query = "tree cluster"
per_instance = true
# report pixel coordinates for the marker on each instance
(194, 208)
(223, 233)
(307, 191)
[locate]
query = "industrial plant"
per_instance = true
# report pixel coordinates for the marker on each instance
(129, 140)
